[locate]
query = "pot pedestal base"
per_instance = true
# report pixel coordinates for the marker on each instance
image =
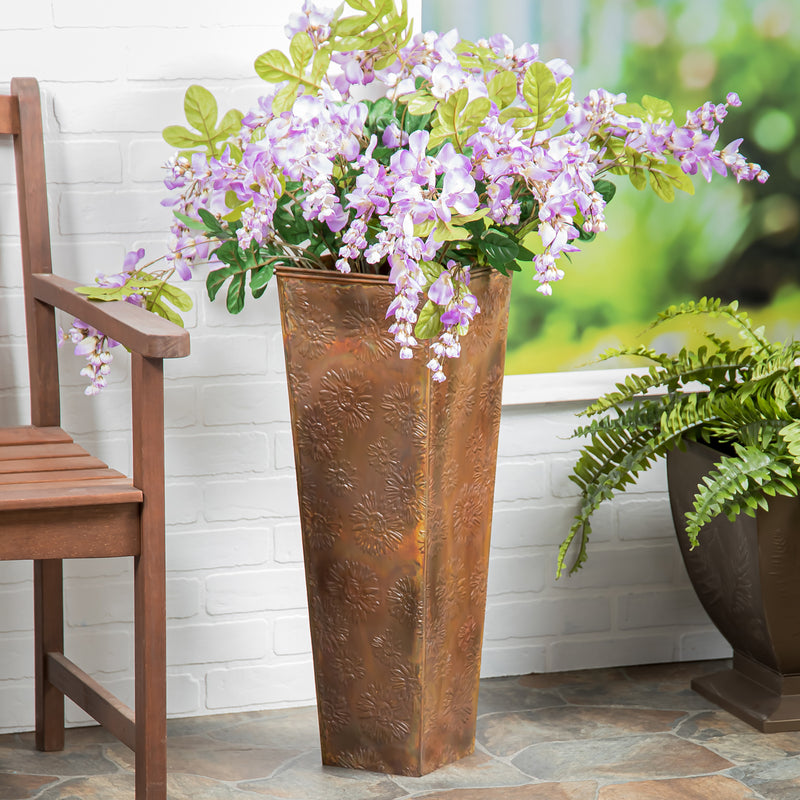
(762, 698)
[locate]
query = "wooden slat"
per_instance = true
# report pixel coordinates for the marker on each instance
(27, 434)
(29, 465)
(13, 451)
(97, 702)
(79, 532)
(88, 475)
(67, 494)
(9, 114)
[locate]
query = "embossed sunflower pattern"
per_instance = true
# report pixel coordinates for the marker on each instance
(376, 529)
(346, 398)
(355, 586)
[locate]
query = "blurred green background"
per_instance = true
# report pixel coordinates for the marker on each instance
(731, 241)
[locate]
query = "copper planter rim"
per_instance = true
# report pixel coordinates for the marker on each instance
(350, 277)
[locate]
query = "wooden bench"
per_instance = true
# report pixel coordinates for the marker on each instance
(57, 501)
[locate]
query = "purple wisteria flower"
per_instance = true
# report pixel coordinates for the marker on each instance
(473, 155)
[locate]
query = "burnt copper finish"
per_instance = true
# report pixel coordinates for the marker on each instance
(745, 574)
(396, 482)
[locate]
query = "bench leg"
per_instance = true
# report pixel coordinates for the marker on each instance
(151, 688)
(48, 612)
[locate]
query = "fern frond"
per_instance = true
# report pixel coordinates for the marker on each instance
(739, 484)
(713, 307)
(791, 435)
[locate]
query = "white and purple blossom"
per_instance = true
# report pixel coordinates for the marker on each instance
(419, 178)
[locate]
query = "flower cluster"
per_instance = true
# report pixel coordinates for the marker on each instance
(476, 155)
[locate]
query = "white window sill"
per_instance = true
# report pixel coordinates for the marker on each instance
(561, 387)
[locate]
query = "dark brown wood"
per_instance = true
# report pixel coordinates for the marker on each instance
(35, 244)
(150, 634)
(134, 327)
(9, 114)
(57, 501)
(48, 616)
(99, 703)
(81, 532)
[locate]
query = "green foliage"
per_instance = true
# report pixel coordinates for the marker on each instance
(160, 297)
(741, 391)
(201, 112)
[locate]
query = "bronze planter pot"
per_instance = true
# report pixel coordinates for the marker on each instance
(396, 481)
(747, 576)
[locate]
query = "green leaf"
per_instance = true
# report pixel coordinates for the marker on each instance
(212, 224)
(301, 49)
(656, 108)
(236, 293)
(166, 312)
(231, 124)
(274, 67)
(502, 88)
(181, 137)
(605, 189)
(474, 116)
(193, 224)
(319, 66)
(431, 270)
(216, 279)
(285, 98)
(500, 248)
(201, 111)
(539, 89)
(429, 321)
(662, 185)
(259, 278)
(421, 103)
(180, 299)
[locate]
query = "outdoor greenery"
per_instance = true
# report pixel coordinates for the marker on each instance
(740, 392)
(729, 242)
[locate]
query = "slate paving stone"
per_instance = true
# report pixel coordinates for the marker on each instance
(476, 770)
(706, 787)
(296, 728)
(21, 787)
(75, 761)
(98, 787)
(306, 779)
(736, 740)
(511, 694)
(625, 758)
(209, 758)
(773, 780)
(507, 734)
(585, 790)
(617, 734)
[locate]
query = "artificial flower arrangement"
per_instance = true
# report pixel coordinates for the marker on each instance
(470, 155)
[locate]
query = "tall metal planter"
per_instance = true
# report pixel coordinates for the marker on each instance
(745, 573)
(396, 481)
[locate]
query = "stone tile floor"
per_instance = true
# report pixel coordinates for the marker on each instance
(638, 733)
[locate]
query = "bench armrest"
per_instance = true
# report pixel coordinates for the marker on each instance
(140, 331)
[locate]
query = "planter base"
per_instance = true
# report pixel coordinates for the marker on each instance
(762, 698)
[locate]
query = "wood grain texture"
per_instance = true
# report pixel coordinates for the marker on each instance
(57, 501)
(9, 114)
(99, 703)
(139, 330)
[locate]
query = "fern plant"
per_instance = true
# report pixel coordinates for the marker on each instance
(741, 393)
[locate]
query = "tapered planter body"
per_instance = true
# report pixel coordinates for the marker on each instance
(395, 481)
(747, 576)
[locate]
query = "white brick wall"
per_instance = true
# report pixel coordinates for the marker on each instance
(113, 75)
